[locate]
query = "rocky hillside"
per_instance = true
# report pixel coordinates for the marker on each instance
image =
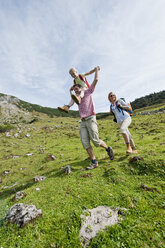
(14, 110)
(11, 112)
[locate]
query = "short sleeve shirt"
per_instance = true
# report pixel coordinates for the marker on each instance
(120, 115)
(79, 81)
(86, 107)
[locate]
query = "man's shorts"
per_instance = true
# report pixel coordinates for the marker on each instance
(89, 131)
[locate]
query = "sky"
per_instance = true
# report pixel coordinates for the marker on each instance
(40, 40)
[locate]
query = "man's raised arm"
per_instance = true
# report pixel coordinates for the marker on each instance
(96, 76)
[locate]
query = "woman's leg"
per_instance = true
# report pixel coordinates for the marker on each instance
(126, 134)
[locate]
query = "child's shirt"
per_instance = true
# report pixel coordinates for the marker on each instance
(81, 80)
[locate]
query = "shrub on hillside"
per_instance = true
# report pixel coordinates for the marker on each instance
(5, 128)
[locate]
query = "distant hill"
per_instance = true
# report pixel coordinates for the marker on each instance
(149, 100)
(145, 102)
(12, 109)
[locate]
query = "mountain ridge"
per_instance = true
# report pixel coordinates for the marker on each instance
(13, 109)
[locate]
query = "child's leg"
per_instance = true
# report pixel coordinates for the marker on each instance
(66, 108)
(83, 92)
(70, 103)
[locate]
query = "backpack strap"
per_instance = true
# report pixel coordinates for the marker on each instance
(114, 119)
(84, 80)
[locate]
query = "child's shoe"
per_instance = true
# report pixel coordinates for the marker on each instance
(65, 109)
(77, 99)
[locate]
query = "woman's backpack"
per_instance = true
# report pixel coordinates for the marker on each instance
(129, 111)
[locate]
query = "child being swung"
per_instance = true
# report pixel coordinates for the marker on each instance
(81, 80)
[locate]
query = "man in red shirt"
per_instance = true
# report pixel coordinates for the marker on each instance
(88, 126)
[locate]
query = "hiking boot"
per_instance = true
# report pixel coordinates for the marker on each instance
(92, 166)
(110, 153)
(65, 109)
(76, 99)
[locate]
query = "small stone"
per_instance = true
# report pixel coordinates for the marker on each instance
(87, 175)
(39, 179)
(29, 154)
(50, 157)
(8, 134)
(67, 169)
(19, 195)
(15, 156)
(27, 135)
(6, 172)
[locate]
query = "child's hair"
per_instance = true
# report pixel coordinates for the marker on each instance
(72, 69)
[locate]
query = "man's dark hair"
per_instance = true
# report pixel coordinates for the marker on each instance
(78, 85)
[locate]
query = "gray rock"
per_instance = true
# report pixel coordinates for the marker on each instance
(97, 219)
(50, 157)
(29, 154)
(15, 156)
(136, 158)
(27, 135)
(22, 214)
(6, 172)
(8, 134)
(39, 179)
(19, 195)
(67, 169)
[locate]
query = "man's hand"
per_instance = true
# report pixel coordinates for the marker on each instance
(97, 68)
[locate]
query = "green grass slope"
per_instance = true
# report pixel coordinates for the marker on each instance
(63, 197)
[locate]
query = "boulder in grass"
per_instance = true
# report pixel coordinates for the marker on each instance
(97, 219)
(135, 159)
(22, 214)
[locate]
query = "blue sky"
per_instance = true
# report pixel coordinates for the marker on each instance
(41, 39)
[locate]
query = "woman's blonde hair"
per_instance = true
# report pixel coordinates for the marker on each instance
(110, 94)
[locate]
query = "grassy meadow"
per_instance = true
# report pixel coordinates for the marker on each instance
(62, 197)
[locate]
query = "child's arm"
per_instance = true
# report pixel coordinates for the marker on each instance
(90, 72)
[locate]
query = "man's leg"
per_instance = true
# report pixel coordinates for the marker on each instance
(91, 153)
(85, 140)
(94, 136)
